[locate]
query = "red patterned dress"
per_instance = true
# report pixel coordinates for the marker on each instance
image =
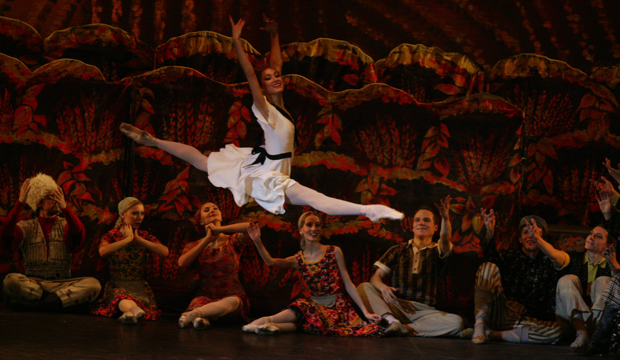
(127, 273)
(219, 274)
(338, 318)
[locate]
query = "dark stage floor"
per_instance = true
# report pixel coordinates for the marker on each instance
(71, 336)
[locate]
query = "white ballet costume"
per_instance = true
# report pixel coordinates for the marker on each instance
(232, 168)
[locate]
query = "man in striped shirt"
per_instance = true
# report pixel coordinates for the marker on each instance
(413, 270)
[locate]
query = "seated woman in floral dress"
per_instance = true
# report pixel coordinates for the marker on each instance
(216, 256)
(127, 249)
(329, 311)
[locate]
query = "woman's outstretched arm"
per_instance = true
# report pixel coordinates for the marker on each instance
(248, 69)
(275, 54)
(188, 257)
(254, 232)
(351, 289)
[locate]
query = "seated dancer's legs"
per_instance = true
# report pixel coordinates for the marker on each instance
(19, 286)
(490, 303)
(74, 291)
(212, 310)
(284, 321)
(571, 309)
(182, 151)
(421, 319)
(301, 195)
(131, 312)
(504, 316)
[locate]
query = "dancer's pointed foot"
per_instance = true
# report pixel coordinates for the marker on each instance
(268, 329)
(137, 135)
(138, 312)
(128, 318)
(201, 324)
(249, 328)
(378, 212)
(187, 318)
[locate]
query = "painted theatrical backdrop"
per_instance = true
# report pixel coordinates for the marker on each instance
(517, 117)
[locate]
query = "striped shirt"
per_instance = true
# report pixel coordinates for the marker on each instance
(414, 272)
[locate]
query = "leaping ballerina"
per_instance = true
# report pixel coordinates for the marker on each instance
(263, 172)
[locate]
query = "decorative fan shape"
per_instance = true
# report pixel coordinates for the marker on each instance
(21, 41)
(208, 52)
(114, 51)
(334, 64)
(564, 112)
(429, 74)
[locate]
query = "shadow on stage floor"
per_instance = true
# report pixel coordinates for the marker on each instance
(73, 336)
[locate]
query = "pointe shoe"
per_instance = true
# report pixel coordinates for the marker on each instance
(249, 328)
(140, 315)
(201, 324)
(268, 329)
(128, 319)
(378, 212)
(137, 135)
(396, 328)
(185, 320)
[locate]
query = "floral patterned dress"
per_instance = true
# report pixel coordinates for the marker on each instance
(127, 273)
(219, 274)
(329, 310)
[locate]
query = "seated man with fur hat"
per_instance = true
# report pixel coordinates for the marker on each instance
(46, 243)
(514, 298)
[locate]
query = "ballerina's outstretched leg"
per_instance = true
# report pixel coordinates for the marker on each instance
(182, 151)
(296, 194)
(301, 195)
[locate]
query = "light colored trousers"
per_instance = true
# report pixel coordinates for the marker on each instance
(568, 301)
(418, 318)
(74, 291)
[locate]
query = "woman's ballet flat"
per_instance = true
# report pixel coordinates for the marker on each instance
(268, 329)
(201, 324)
(127, 319)
(184, 321)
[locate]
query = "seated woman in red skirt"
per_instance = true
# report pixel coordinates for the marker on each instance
(127, 249)
(329, 311)
(217, 257)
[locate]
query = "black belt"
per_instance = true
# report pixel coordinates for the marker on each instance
(263, 154)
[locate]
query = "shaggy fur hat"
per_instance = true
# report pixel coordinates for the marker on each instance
(40, 186)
